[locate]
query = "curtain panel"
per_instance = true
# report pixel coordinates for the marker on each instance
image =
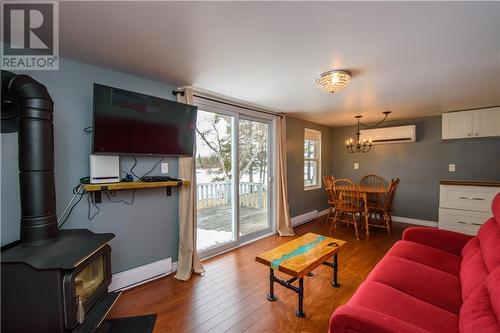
(283, 221)
(188, 259)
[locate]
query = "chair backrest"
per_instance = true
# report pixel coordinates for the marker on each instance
(331, 195)
(346, 194)
(328, 181)
(374, 181)
(391, 194)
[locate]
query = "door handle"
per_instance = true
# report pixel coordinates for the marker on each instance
(469, 223)
(80, 311)
(466, 198)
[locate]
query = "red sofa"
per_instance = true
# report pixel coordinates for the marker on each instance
(431, 281)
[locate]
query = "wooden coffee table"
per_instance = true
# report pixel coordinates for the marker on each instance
(298, 258)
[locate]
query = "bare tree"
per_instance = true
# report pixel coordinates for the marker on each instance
(215, 132)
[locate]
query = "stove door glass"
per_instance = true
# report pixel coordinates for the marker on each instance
(89, 279)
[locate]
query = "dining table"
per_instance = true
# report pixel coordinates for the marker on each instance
(364, 191)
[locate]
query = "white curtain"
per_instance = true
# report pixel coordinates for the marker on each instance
(189, 260)
(282, 210)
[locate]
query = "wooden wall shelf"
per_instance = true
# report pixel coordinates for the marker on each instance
(131, 185)
(97, 188)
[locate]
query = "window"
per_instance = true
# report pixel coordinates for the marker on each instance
(312, 159)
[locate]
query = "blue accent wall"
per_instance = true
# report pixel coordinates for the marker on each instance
(147, 230)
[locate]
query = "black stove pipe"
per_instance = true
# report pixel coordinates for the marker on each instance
(28, 104)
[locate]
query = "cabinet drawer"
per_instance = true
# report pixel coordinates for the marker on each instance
(462, 221)
(475, 198)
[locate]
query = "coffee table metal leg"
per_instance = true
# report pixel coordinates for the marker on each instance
(271, 297)
(335, 283)
(300, 312)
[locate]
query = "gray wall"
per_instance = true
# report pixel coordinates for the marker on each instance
(145, 231)
(301, 201)
(420, 165)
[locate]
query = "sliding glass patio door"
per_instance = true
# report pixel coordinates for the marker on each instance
(214, 180)
(254, 184)
(233, 168)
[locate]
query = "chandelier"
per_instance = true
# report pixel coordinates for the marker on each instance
(365, 145)
(332, 81)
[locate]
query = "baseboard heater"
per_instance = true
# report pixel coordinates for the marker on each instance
(137, 276)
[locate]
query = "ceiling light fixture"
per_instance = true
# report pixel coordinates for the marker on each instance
(365, 145)
(332, 81)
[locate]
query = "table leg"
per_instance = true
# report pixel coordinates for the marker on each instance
(288, 284)
(335, 266)
(335, 283)
(365, 198)
(300, 312)
(271, 297)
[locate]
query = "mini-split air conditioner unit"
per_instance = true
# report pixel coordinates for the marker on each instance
(398, 134)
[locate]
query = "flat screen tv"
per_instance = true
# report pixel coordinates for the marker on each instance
(130, 123)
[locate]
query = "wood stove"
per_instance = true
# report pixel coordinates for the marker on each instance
(55, 287)
(52, 281)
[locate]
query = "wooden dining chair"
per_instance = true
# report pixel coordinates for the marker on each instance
(385, 208)
(374, 181)
(328, 181)
(347, 200)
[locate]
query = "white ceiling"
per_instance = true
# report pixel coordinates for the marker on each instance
(415, 59)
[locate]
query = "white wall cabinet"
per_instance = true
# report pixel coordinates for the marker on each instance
(471, 124)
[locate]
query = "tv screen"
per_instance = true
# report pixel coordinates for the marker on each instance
(126, 122)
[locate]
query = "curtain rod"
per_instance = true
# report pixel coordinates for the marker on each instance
(229, 104)
(238, 106)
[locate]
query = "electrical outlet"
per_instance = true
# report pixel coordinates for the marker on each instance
(356, 166)
(451, 167)
(164, 168)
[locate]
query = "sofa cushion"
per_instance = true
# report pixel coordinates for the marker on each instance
(495, 208)
(472, 245)
(481, 310)
(489, 241)
(481, 255)
(426, 255)
(445, 240)
(493, 286)
(420, 281)
(354, 319)
(473, 270)
(397, 304)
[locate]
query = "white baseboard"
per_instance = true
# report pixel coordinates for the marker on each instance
(324, 212)
(303, 218)
(139, 275)
(309, 216)
(408, 220)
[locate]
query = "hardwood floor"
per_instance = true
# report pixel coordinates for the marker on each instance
(231, 297)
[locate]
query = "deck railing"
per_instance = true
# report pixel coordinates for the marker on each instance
(216, 194)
